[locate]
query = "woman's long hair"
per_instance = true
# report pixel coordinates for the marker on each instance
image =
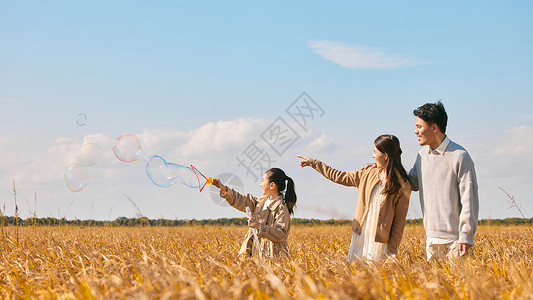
(277, 176)
(396, 174)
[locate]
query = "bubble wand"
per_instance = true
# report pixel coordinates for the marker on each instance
(208, 180)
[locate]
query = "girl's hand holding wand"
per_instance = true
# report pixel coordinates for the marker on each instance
(218, 184)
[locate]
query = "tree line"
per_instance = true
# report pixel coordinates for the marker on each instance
(143, 221)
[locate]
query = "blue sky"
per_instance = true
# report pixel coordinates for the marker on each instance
(198, 82)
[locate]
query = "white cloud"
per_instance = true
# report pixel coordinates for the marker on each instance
(98, 138)
(504, 161)
(212, 143)
(501, 161)
(518, 140)
(212, 147)
(3, 142)
(357, 57)
(213, 138)
(508, 153)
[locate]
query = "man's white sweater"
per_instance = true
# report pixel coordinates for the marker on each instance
(448, 193)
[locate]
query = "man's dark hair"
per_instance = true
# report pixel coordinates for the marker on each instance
(433, 113)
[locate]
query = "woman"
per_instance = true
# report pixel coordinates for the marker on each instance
(270, 213)
(383, 201)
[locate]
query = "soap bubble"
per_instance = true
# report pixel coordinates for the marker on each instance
(81, 119)
(76, 177)
(128, 149)
(165, 174)
(89, 154)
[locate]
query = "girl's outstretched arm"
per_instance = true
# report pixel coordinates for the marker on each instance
(235, 199)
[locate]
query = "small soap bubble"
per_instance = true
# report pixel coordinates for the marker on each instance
(89, 154)
(81, 120)
(76, 177)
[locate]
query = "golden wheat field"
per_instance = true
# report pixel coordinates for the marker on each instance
(201, 263)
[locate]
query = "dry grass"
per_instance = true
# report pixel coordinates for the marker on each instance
(202, 262)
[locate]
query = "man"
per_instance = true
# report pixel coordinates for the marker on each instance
(444, 174)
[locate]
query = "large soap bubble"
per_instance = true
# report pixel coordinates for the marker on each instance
(128, 149)
(165, 174)
(76, 177)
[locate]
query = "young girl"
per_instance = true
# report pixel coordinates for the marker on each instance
(383, 200)
(270, 212)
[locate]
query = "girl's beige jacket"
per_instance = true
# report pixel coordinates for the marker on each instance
(275, 218)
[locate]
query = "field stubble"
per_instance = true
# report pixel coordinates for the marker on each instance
(202, 263)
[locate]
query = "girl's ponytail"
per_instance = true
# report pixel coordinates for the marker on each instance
(290, 195)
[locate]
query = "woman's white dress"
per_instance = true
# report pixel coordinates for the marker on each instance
(363, 245)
